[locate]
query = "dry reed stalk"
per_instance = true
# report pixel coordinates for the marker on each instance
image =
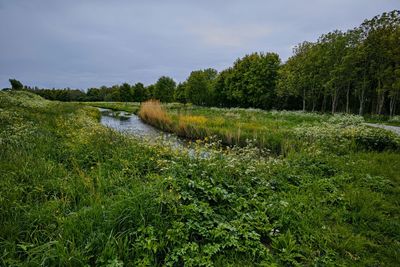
(153, 113)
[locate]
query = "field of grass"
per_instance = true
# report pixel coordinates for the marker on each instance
(74, 193)
(281, 132)
(131, 107)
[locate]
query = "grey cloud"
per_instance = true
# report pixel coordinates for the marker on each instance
(80, 44)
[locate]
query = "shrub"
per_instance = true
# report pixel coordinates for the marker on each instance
(342, 137)
(395, 119)
(346, 119)
(375, 139)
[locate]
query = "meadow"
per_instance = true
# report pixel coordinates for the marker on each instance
(131, 107)
(279, 132)
(291, 189)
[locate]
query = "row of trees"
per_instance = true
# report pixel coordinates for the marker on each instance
(356, 71)
(251, 82)
(163, 90)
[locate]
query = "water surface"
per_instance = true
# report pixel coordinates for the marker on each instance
(131, 124)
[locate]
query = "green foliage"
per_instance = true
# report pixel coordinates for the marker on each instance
(180, 93)
(130, 107)
(140, 93)
(125, 93)
(199, 87)
(74, 193)
(164, 89)
(353, 71)
(278, 131)
(151, 90)
(221, 89)
(253, 79)
(16, 85)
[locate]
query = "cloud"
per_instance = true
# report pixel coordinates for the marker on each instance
(229, 36)
(80, 44)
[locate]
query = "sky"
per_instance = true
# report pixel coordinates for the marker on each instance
(90, 43)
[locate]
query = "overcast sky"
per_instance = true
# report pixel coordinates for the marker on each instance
(88, 43)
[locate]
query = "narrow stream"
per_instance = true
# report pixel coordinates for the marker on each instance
(128, 123)
(131, 124)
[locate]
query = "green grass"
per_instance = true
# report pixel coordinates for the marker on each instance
(278, 131)
(131, 107)
(73, 193)
(381, 119)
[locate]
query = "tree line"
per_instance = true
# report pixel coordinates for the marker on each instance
(357, 71)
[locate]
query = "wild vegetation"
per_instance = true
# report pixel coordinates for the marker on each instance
(277, 131)
(356, 71)
(277, 187)
(130, 107)
(74, 193)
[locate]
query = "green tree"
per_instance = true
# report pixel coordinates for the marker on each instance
(253, 80)
(299, 76)
(164, 89)
(150, 90)
(180, 93)
(199, 86)
(16, 85)
(221, 94)
(93, 94)
(139, 92)
(125, 93)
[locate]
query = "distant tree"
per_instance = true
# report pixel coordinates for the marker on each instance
(299, 77)
(253, 80)
(93, 94)
(104, 91)
(164, 89)
(180, 93)
(199, 86)
(113, 94)
(139, 92)
(221, 94)
(150, 91)
(16, 85)
(126, 93)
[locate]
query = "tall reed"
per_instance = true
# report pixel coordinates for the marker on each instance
(154, 114)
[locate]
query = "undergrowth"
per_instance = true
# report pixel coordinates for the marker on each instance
(279, 131)
(73, 193)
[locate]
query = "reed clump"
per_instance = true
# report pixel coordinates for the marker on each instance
(154, 114)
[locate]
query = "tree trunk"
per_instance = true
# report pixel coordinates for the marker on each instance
(361, 98)
(392, 105)
(323, 104)
(381, 102)
(304, 100)
(381, 98)
(348, 98)
(334, 101)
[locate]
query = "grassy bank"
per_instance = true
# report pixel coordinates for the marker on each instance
(381, 119)
(131, 107)
(279, 131)
(73, 193)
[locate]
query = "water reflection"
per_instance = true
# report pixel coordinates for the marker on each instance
(131, 124)
(128, 123)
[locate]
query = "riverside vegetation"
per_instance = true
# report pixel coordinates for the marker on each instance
(74, 193)
(280, 132)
